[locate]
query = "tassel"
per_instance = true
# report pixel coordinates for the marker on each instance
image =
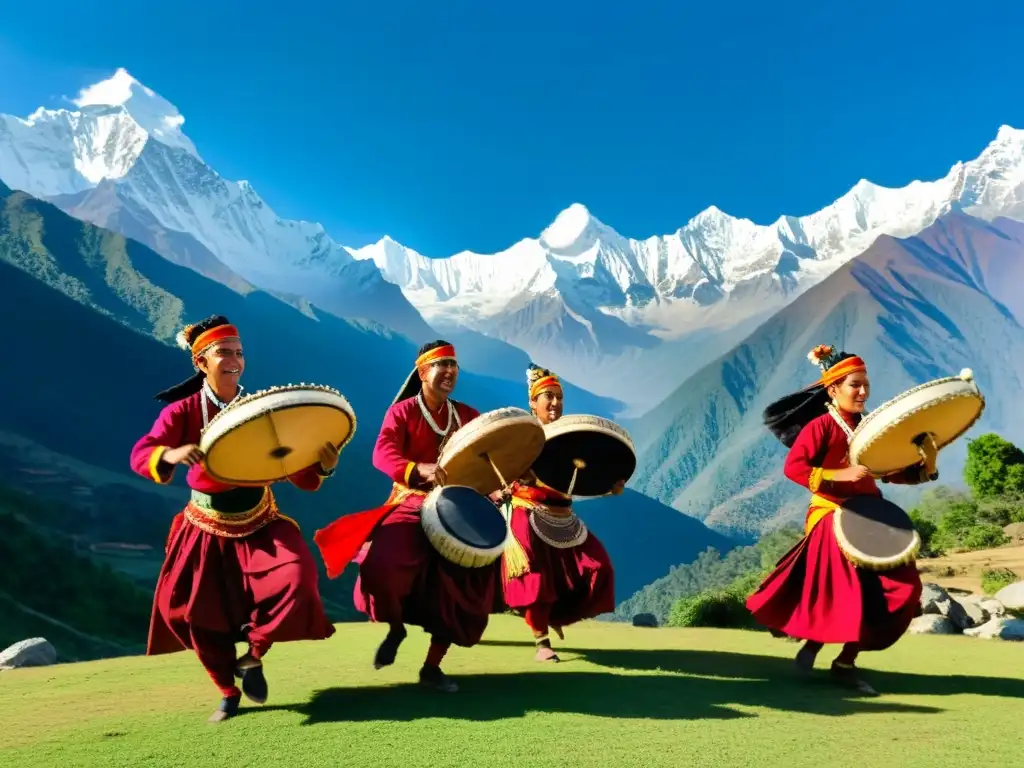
(514, 559)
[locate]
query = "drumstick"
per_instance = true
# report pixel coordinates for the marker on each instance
(497, 471)
(577, 465)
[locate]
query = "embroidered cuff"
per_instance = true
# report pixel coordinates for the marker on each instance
(408, 472)
(154, 466)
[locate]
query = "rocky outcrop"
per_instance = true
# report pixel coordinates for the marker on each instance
(34, 652)
(1012, 597)
(953, 612)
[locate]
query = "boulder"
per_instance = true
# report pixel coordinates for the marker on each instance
(1012, 597)
(931, 596)
(34, 652)
(645, 620)
(994, 608)
(933, 624)
(974, 613)
(998, 629)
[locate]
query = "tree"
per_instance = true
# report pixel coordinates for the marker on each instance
(994, 467)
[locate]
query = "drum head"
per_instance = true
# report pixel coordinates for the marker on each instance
(602, 446)
(269, 435)
(510, 437)
(468, 516)
(875, 533)
(884, 440)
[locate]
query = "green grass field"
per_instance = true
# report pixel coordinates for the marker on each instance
(623, 696)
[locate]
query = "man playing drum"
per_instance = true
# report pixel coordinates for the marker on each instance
(555, 572)
(815, 593)
(235, 568)
(402, 577)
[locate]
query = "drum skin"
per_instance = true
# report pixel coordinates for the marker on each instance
(884, 440)
(875, 534)
(268, 435)
(510, 437)
(463, 526)
(603, 447)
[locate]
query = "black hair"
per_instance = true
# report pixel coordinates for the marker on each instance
(437, 343)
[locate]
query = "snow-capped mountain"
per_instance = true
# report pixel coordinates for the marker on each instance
(916, 309)
(611, 310)
(120, 160)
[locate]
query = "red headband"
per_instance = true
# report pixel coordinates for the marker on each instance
(212, 336)
(436, 355)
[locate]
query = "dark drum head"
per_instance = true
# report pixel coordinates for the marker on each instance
(607, 458)
(876, 527)
(470, 517)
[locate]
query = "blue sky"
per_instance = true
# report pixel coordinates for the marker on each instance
(469, 125)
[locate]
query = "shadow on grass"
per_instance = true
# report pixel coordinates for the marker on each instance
(489, 697)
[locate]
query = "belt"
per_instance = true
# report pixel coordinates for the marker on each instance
(232, 514)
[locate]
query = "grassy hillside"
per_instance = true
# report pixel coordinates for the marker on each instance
(623, 697)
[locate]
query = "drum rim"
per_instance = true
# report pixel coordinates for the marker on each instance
(870, 562)
(252, 396)
(589, 423)
(430, 507)
(470, 429)
(973, 392)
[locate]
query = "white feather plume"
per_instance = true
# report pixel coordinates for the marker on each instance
(181, 340)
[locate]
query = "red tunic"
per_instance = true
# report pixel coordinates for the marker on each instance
(402, 578)
(562, 586)
(209, 585)
(815, 593)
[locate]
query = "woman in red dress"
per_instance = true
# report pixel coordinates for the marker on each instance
(815, 593)
(554, 571)
(235, 568)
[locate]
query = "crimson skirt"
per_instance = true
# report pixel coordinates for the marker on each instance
(815, 593)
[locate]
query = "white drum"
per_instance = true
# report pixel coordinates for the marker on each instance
(889, 438)
(268, 435)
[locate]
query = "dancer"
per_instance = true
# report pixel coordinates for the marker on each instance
(402, 578)
(235, 568)
(815, 593)
(555, 572)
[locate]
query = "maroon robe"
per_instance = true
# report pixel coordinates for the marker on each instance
(815, 592)
(562, 586)
(209, 585)
(402, 578)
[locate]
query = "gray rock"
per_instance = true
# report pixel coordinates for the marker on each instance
(1012, 596)
(931, 596)
(955, 612)
(994, 608)
(645, 620)
(976, 615)
(933, 624)
(34, 652)
(998, 629)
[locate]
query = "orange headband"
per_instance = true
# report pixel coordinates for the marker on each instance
(841, 370)
(545, 383)
(212, 336)
(446, 352)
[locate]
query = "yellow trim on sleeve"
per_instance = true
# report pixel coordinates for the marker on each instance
(154, 465)
(814, 481)
(408, 471)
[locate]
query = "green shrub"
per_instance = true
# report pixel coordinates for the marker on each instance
(722, 609)
(984, 536)
(994, 579)
(926, 529)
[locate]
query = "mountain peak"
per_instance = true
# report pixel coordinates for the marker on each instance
(154, 114)
(568, 227)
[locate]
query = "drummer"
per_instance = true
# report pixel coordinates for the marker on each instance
(235, 568)
(815, 593)
(555, 572)
(402, 578)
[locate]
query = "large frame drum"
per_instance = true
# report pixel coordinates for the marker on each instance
(464, 526)
(585, 456)
(891, 437)
(268, 435)
(875, 534)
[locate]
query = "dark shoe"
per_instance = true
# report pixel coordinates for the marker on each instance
(388, 650)
(849, 677)
(805, 658)
(254, 684)
(433, 677)
(228, 708)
